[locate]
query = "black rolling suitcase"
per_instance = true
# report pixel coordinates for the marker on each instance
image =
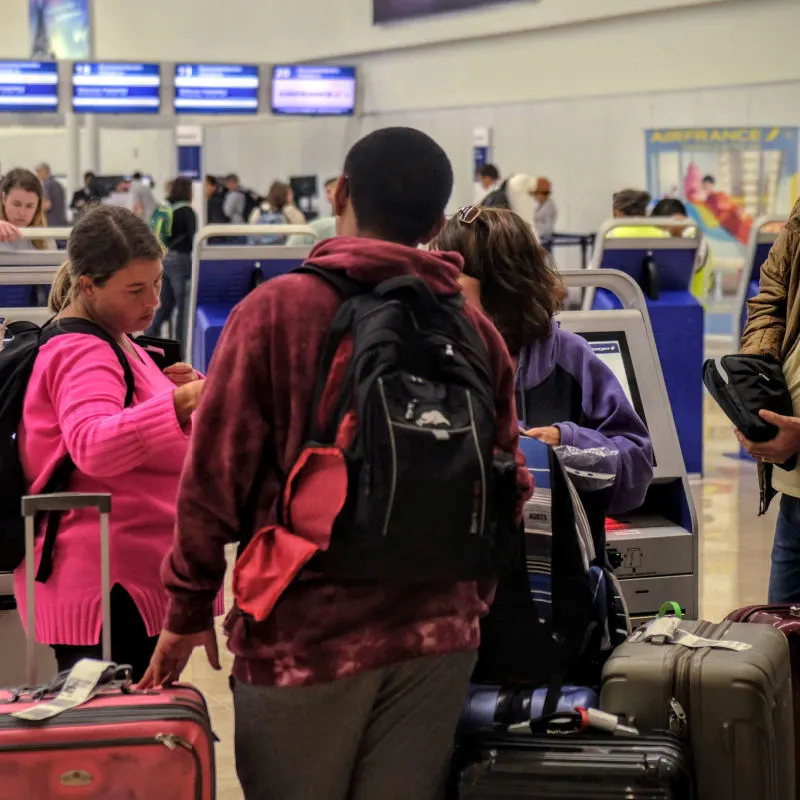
(580, 767)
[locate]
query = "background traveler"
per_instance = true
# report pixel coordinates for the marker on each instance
(55, 205)
(179, 241)
(143, 201)
(22, 206)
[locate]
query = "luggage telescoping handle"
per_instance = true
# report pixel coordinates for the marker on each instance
(65, 501)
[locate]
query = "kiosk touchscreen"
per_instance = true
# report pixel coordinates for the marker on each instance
(657, 542)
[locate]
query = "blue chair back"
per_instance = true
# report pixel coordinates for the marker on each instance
(222, 284)
(675, 266)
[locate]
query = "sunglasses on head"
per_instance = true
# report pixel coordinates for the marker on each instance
(468, 214)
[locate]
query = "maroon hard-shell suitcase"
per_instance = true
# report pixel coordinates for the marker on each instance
(786, 618)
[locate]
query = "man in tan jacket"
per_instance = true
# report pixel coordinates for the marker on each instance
(773, 325)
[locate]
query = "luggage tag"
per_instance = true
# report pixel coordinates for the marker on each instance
(79, 687)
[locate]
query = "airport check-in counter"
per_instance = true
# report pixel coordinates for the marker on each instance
(763, 235)
(224, 271)
(676, 316)
(24, 271)
(657, 543)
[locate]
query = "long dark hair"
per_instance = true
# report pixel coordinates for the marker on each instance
(520, 289)
(278, 196)
(180, 191)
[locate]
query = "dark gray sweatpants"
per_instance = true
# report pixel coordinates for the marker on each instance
(382, 735)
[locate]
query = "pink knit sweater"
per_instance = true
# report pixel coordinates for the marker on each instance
(75, 403)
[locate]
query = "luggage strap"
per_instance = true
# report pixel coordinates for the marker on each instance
(666, 630)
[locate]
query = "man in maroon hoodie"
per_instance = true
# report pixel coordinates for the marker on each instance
(345, 690)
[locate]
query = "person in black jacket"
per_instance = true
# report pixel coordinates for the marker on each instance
(91, 192)
(215, 200)
(497, 193)
(178, 260)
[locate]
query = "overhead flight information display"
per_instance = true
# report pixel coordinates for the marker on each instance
(216, 89)
(106, 88)
(314, 91)
(28, 86)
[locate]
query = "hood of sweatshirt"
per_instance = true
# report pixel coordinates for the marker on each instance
(374, 260)
(538, 360)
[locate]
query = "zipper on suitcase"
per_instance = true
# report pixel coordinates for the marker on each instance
(101, 716)
(684, 685)
(170, 741)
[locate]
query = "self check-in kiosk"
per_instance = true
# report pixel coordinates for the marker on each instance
(663, 266)
(763, 235)
(657, 543)
(224, 273)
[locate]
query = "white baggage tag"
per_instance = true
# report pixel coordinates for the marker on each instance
(80, 686)
(690, 640)
(666, 630)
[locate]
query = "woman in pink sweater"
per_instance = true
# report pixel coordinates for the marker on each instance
(75, 405)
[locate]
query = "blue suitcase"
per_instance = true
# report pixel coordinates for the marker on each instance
(487, 706)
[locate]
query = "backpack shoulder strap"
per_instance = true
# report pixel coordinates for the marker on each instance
(59, 480)
(346, 287)
(349, 290)
(75, 325)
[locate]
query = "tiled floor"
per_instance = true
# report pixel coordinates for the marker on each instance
(734, 568)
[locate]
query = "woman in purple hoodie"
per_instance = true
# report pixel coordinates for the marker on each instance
(566, 394)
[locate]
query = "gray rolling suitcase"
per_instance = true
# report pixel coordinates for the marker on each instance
(733, 706)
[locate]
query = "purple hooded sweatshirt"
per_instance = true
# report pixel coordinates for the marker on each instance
(561, 382)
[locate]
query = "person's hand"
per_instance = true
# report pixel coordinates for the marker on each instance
(549, 435)
(779, 449)
(186, 399)
(9, 234)
(172, 654)
(181, 373)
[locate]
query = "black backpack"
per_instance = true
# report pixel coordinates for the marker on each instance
(252, 201)
(497, 198)
(427, 499)
(16, 365)
(558, 615)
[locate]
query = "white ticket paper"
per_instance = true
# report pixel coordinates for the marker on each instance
(80, 686)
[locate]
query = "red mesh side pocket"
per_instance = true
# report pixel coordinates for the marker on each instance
(315, 493)
(266, 567)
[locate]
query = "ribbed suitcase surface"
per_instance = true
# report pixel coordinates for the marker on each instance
(653, 767)
(733, 708)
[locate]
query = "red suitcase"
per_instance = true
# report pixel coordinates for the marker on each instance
(118, 744)
(785, 618)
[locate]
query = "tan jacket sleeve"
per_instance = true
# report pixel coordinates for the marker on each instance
(766, 312)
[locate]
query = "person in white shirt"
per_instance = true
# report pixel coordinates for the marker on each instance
(545, 214)
(234, 203)
(143, 201)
